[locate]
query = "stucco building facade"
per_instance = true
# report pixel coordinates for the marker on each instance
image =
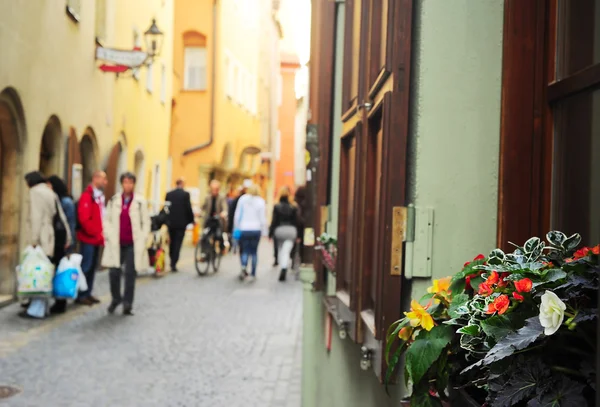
(60, 114)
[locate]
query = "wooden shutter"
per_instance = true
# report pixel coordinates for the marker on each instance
(111, 171)
(373, 167)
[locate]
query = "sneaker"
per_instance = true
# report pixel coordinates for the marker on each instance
(128, 312)
(252, 279)
(112, 307)
(243, 275)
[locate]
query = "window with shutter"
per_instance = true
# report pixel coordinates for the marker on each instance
(163, 84)
(195, 68)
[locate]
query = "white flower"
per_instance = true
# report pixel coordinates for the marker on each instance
(552, 312)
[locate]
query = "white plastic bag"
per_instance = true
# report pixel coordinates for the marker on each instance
(35, 273)
(75, 261)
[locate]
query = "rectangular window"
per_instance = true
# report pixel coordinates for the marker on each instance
(195, 68)
(74, 10)
(163, 84)
(100, 21)
(149, 78)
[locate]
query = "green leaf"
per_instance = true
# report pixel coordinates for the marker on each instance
(497, 326)
(586, 315)
(393, 363)
(522, 384)
(531, 244)
(565, 393)
(472, 330)
(551, 276)
(426, 349)
(572, 242)
(458, 301)
(475, 283)
(521, 339)
(392, 335)
(556, 238)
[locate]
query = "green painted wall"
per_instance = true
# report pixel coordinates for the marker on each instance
(453, 168)
(455, 128)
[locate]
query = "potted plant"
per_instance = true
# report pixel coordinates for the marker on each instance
(327, 248)
(510, 329)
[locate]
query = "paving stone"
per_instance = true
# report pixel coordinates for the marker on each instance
(194, 341)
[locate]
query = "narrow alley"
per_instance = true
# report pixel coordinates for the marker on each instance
(197, 342)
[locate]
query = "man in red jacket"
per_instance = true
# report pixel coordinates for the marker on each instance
(90, 212)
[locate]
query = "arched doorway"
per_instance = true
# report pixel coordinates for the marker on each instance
(89, 161)
(51, 147)
(12, 135)
(139, 168)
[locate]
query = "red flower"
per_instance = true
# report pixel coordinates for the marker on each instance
(524, 285)
(485, 289)
(493, 278)
(500, 305)
(479, 257)
(581, 252)
(518, 296)
(466, 264)
(468, 279)
(596, 250)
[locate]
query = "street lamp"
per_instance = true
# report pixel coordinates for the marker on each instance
(154, 40)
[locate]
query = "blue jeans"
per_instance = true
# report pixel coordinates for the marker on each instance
(249, 241)
(88, 266)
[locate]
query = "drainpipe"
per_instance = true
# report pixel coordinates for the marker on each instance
(213, 89)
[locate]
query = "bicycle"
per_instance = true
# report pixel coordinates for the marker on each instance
(208, 251)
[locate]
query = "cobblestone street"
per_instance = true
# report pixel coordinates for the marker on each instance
(209, 341)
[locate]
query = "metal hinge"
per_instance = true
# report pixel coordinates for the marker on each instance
(419, 242)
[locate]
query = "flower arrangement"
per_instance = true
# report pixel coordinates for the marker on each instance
(509, 329)
(327, 247)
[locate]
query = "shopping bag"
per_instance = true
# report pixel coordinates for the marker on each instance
(65, 283)
(159, 264)
(37, 308)
(35, 273)
(76, 259)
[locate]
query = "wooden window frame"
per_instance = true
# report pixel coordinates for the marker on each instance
(383, 95)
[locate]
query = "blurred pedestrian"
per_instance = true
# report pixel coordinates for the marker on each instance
(242, 191)
(284, 229)
(180, 216)
(68, 207)
(231, 211)
(300, 200)
(48, 228)
(127, 227)
(215, 212)
(90, 212)
(250, 219)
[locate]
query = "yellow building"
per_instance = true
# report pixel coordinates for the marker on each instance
(60, 114)
(142, 100)
(223, 91)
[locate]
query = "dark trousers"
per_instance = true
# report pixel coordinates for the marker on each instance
(249, 248)
(176, 236)
(275, 250)
(128, 264)
(88, 266)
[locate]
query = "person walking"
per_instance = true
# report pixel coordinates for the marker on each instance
(250, 220)
(300, 200)
(180, 216)
(90, 212)
(215, 206)
(127, 227)
(48, 228)
(285, 227)
(68, 207)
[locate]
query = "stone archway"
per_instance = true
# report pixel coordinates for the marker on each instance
(89, 161)
(51, 147)
(139, 169)
(12, 139)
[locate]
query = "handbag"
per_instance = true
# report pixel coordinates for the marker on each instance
(60, 231)
(237, 233)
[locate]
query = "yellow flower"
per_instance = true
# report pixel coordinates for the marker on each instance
(418, 315)
(405, 333)
(441, 285)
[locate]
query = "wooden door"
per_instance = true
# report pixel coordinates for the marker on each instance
(375, 105)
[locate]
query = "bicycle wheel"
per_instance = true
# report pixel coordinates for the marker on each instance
(216, 259)
(201, 266)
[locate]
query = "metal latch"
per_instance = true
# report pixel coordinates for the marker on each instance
(419, 242)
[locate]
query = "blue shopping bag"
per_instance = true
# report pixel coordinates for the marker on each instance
(65, 283)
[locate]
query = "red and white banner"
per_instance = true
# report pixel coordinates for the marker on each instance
(129, 59)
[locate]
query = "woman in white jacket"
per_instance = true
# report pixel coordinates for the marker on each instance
(250, 219)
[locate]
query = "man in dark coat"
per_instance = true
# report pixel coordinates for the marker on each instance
(180, 216)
